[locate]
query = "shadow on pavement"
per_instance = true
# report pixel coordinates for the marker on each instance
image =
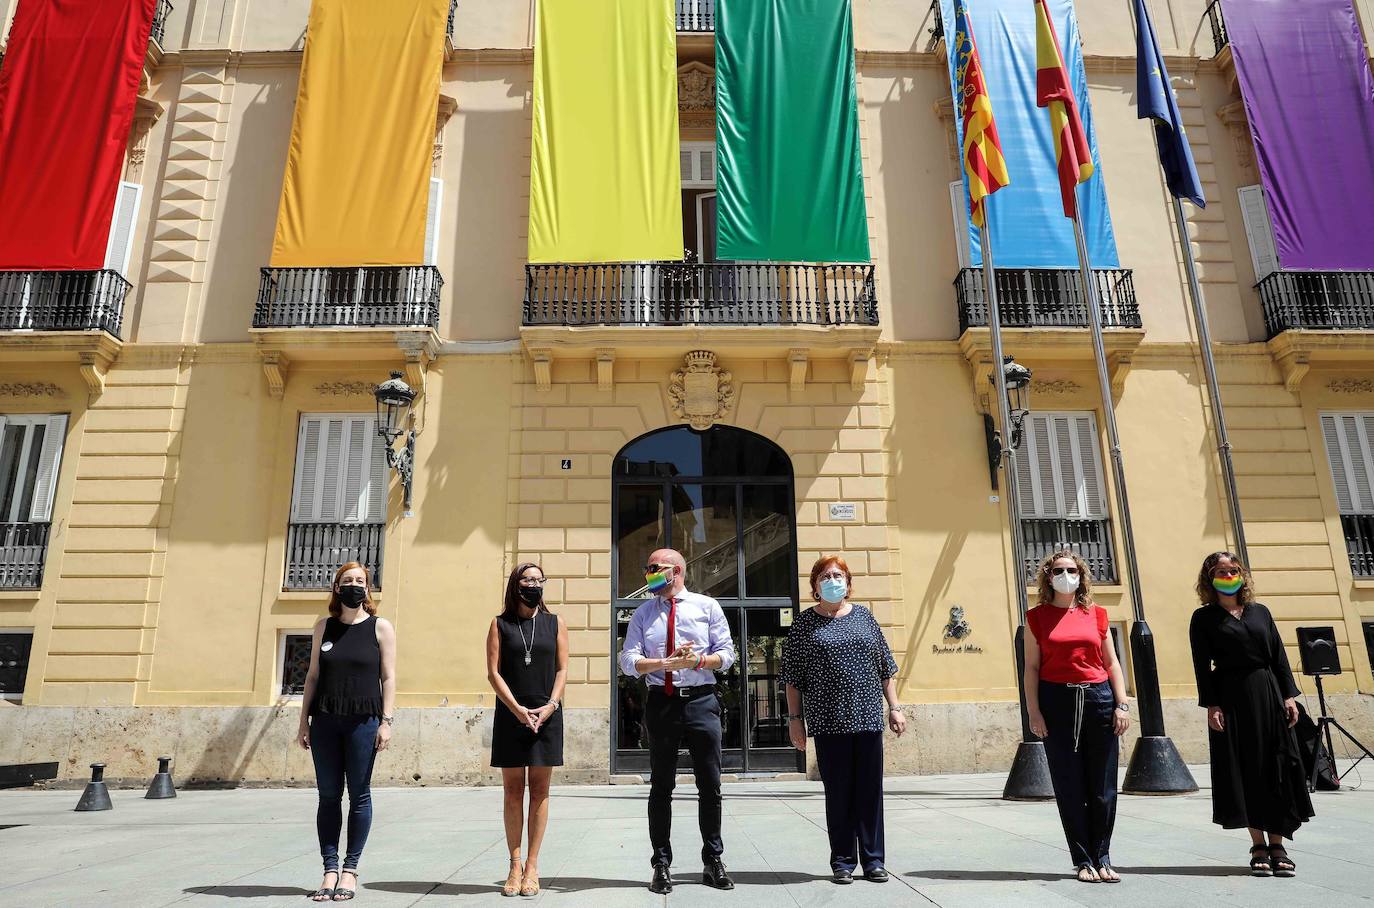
(246, 892)
(416, 887)
(1195, 870)
(992, 876)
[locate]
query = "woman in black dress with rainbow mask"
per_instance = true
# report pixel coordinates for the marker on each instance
(527, 665)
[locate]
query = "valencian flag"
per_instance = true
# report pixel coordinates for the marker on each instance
(357, 181)
(1072, 155)
(790, 179)
(605, 173)
(983, 162)
(67, 92)
(1155, 100)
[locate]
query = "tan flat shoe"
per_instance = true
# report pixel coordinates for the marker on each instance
(512, 886)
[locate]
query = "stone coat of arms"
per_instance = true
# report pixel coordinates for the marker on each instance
(699, 392)
(958, 628)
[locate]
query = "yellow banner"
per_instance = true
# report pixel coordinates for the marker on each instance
(605, 180)
(357, 175)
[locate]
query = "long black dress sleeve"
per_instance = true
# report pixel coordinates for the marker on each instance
(1283, 672)
(1202, 658)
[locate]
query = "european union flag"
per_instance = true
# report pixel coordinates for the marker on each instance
(1155, 99)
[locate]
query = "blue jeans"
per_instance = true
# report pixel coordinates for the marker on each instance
(344, 749)
(1083, 766)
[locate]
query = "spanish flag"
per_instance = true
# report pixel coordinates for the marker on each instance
(983, 161)
(1072, 154)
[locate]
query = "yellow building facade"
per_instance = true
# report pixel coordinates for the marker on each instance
(217, 457)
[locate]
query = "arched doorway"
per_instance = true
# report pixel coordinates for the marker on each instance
(725, 499)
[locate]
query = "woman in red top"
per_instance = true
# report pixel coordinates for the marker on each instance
(1076, 700)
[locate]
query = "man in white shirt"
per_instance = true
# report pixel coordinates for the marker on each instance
(676, 642)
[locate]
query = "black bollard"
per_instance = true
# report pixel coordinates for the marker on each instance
(1029, 778)
(96, 796)
(162, 786)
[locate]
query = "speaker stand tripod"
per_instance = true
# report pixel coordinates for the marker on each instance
(1324, 724)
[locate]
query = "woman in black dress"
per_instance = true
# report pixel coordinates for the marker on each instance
(1247, 686)
(527, 665)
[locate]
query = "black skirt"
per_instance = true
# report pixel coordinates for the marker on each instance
(1258, 780)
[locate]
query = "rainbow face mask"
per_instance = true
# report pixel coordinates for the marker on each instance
(656, 581)
(1229, 587)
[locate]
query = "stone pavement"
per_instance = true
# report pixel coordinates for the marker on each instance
(951, 841)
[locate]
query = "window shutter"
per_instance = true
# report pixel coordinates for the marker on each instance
(304, 502)
(376, 489)
(432, 213)
(698, 165)
(1352, 463)
(49, 465)
(1059, 472)
(356, 461)
(958, 204)
(121, 242)
(1259, 230)
(707, 159)
(340, 471)
(687, 161)
(1094, 497)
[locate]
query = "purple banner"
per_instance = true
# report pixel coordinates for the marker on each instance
(1305, 78)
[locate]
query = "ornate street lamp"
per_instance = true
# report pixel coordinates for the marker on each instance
(1017, 379)
(394, 398)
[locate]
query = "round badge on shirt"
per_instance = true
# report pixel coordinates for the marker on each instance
(326, 647)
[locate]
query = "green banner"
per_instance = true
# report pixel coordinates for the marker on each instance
(790, 177)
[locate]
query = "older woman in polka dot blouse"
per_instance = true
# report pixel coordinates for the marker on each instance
(838, 668)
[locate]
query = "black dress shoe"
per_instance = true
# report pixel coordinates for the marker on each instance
(663, 880)
(713, 874)
(842, 876)
(876, 874)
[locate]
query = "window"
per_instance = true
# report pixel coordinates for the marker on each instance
(1119, 642)
(293, 662)
(1369, 640)
(122, 224)
(338, 503)
(15, 647)
(30, 459)
(1259, 231)
(1061, 493)
(1348, 452)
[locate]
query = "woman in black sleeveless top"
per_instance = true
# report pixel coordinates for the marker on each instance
(350, 694)
(527, 665)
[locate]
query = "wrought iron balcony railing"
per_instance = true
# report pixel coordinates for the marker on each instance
(692, 293)
(452, 14)
(314, 552)
(696, 15)
(1046, 298)
(392, 297)
(62, 301)
(23, 547)
(160, 14)
(1319, 300)
(937, 19)
(1218, 24)
(1359, 543)
(1091, 539)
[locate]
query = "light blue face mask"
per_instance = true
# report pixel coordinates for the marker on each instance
(834, 589)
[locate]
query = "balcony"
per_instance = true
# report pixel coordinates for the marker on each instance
(1359, 543)
(692, 293)
(160, 14)
(1046, 298)
(394, 297)
(314, 552)
(62, 301)
(1091, 539)
(696, 16)
(1218, 27)
(23, 547)
(1317, 300)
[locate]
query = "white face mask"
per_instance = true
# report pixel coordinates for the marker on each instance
(1065, 583)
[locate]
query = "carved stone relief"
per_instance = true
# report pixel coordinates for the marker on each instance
(700, 393)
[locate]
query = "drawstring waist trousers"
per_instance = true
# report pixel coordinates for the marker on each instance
(1082, 750)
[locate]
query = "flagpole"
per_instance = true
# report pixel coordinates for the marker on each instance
(1029, 778)
(1156, 766)
(1209, 368)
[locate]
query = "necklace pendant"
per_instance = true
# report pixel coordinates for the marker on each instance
(527, 658)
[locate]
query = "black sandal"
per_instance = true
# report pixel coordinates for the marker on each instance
(1105, 868)
(1091, 872)
(345, 895)
(1260, 862)
(324, 893)
(1280, 862)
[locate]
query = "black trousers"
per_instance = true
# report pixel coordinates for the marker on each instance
(671, 722)
(1084, 778)
(852, 771)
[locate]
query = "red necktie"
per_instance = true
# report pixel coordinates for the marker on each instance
(672, 644)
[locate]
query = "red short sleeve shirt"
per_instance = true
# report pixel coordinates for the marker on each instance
(1070, 643)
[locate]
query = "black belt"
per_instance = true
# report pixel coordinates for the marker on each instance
(685, 693)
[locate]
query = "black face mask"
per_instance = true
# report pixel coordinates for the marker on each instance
(532, 595)
(352, 596)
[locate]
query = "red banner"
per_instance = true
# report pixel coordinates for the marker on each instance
(67, 91)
